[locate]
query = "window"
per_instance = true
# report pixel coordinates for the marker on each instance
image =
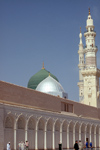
(67, 107)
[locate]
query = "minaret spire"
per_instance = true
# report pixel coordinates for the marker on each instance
(80, 29)
(89, 11)
(43, 66)
(80, 36)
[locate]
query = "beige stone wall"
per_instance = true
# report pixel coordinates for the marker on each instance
(27, 97)
(20, 95)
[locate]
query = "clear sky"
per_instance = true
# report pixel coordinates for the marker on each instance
(33, 31)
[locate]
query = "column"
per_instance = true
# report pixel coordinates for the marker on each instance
(15, 125)
(80, 132)
(61, 132)
(85, 134)
(45, 136)
(90, 134)
(99, 136)
(68, 136)
(73, 134)
(95, 136)
(26, 132)
(36, 136)
(53, 136)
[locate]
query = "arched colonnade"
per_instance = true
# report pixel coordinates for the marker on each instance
(44, 132)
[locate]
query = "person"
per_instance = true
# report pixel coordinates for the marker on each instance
(19, 145)
(27, 145)
(22, 145)
(91, 145)
(8, 146)
(80, 145)
(86, 144)
(76, 147)
(60, 145)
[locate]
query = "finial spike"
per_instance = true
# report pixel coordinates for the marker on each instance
(80, 29)
(89, 11)
(49, 73)
(43, 66)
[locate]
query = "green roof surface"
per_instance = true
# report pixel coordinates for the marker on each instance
(38, 77)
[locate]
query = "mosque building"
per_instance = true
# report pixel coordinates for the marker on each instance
(42, 112)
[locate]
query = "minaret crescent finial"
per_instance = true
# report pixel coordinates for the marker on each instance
(80, 29)
(43, 66)
(89, 11)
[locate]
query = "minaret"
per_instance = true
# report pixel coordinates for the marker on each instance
(81, 66)
(90, 73)
(90, 49)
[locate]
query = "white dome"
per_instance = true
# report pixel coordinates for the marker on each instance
(51, 86)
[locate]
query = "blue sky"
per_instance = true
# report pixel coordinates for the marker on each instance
(33, 31)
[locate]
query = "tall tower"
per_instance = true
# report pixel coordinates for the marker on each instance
(81, 66)
(90, 74)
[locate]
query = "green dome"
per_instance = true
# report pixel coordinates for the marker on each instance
(38, 77)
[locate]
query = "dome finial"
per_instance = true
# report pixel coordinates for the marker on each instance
(43, 66)
(80, 29)
(89, 11)
(49, 73)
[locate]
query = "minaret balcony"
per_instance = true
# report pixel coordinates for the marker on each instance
(91, 71)
(87, 33)
(90, 48)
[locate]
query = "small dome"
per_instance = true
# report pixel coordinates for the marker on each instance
(38, 77)
(51, 86)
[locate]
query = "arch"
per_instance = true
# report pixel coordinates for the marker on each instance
(9, 130)
(71, 125)
(31, 123)
(20, 128)
(41, 125)
(64, 134)
(88, 132)
(49, 133)
(50, 125)
(57, 133)
(97, 136)
(9, 122)
(92, 134)
(31, 131)
(77, 131)
(21, 123)
(83, 128)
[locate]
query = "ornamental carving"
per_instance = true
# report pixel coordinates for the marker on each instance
(9, 122)
(41, 125)
(31, 124)
(49, 126)
(64, 127)
(57, 126)
(21, 123)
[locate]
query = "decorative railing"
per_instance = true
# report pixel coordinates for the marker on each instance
(89, 32)
(90, 46)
